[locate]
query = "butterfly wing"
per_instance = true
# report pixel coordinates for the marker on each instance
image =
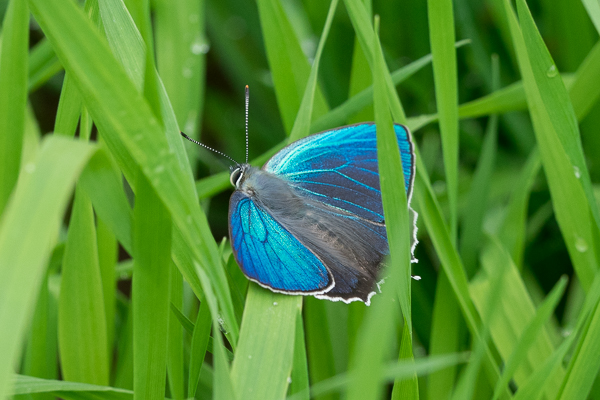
(339, 167)
(337, 171)
(269, 254)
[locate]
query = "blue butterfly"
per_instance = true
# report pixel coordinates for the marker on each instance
(311, 222)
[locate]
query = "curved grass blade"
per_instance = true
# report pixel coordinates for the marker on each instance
(24, 251)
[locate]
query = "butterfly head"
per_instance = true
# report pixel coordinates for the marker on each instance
(238, 174)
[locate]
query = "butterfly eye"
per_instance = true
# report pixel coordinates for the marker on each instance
(235, 177)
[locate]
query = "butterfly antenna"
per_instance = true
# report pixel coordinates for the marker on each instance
(247, 101)
(209, 148)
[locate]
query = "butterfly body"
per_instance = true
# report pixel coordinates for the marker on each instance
(311, 220)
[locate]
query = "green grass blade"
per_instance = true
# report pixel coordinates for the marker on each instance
(377, 329)
(13, 94)
(585, 89)
(150, 292)
(41, 350)
(69, 108)
(554, 96)
(441, 33)
(301, 126)
(24, 251)
(507, 327)
(299, 378)
(131, 132)
(319, 347)
(397, 370)
(287, 62)
(450, 261)
(181, 48)
(360, 78)
(593, 10)
(43, 64)
(175, 363)
(513, 229)
(477, 197)
(569, 199)
(82, 337)
(530, 334)
(200, 338)
(264, 357)
(28, 385)
(107, 261)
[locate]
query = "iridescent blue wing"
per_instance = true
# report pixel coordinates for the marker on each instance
(339, 168)
(269, 255)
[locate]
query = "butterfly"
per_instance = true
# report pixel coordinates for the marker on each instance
(310, 221)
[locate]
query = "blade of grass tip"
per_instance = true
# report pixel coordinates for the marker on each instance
(377, 329)
(23, 251)
(82, 340)
(299, 379)
(150, 291)
(288, 64)
(175, 363)
(13, 94)
(514, 226)
(125, 119)
(571, 206)
(441, 33)
(530, 334)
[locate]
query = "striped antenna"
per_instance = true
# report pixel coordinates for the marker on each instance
(247, 101)
(209, 148)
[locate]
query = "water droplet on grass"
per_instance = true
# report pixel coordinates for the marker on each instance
(581, 245)
(552, 71)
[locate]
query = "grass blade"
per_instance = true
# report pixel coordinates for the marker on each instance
(150, 292)
(13, 94)
(82, 336)
(23, 251)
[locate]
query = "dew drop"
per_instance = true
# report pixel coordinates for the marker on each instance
(289, 379)
(581, 245)
(577, 172)
(29, 168)
(552, 71)
(274, 303)
(199, 47)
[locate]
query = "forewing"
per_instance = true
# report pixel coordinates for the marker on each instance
(339, 168)
(269, 255)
